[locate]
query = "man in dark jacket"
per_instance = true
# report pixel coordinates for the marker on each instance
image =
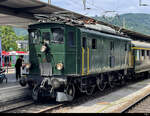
(18, 67)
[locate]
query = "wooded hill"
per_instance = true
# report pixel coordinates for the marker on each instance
(138, 22)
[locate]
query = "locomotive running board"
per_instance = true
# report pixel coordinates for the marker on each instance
(61, 97)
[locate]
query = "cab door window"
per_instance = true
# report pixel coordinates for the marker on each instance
(58, 35)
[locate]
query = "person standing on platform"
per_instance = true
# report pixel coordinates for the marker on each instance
(18, 66)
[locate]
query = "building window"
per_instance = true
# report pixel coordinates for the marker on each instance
(93, 43)
(84, 42)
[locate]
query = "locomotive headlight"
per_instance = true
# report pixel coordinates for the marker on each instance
(59, 66)
(28, 66)
(43, 48)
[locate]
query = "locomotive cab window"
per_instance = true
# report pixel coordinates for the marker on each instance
(93, 43)
(58, 35)
(46, 37)
(34, 36)
(71, 38)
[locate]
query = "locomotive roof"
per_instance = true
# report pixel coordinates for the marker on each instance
(91, 30)
(104, 34)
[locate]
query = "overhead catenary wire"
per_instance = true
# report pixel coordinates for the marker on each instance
(87, 3)
(92, 7)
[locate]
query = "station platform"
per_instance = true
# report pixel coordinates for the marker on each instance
(112, 102)
(12, 90)
(11, 78)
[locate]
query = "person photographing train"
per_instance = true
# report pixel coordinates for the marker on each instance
(18, 66)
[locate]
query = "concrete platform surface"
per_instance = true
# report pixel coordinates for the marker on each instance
(12, 89)
(114, 101)
(11, 79)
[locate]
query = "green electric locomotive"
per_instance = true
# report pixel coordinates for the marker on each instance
(65, 59)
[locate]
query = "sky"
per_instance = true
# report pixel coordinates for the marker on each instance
(100, 7)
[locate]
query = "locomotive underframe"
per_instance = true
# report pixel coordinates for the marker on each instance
(57, 86)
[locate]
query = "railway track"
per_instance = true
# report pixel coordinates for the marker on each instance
(15, 99)
(14, 104)
(141, 105)
(31, 107)
(26, 105)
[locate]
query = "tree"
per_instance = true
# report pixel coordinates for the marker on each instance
(8, 38)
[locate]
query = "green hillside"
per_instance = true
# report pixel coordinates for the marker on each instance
(137, 22)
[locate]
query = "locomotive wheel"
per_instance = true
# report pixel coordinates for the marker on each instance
(70, 90)
(111, 81)
(101, 84)
(90, 90)
(122, 81)
(146, 75)
(129, 77)
(36, 93)
(30, 85)
(22, 82)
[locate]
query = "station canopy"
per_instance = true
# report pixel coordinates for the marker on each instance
(21, 13)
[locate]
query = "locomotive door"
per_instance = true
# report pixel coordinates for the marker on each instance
(45, 64)
(85, 55)
(71, 50)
